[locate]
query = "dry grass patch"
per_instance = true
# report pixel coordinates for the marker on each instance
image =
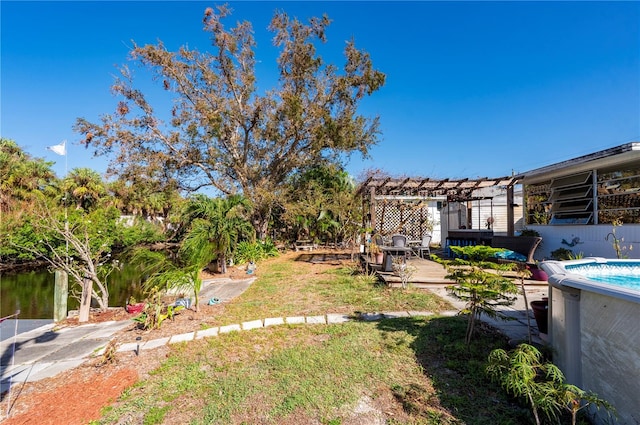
(286, 287)
(291, 374)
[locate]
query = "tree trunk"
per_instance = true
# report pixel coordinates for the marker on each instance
(261, 225)
(526, 306)
(100, 292)
(261, 221)
(85, 301)
(223, 263)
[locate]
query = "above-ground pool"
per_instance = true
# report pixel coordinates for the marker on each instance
(594, 312)
(618, 278)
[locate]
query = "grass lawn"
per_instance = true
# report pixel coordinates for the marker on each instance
(403, 371)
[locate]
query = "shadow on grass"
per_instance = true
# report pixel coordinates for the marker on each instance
(457, 371)
(333, 258)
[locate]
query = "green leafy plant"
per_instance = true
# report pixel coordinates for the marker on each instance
(574, 399)
(215, 228)
(523, 372)
(155, 311)
(167, 273)
(576, 256)
(562, 254)
(529, 232)
(480, 282)
(269, 248)
(246, 251)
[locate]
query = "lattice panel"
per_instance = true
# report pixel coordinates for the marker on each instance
(410, 218)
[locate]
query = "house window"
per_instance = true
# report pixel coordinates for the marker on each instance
(538, 206)
(563, 200)
(619, 196)
(571, 199)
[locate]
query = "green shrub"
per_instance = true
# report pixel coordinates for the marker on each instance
(155, 312)
(254, 251)
(247, 252)
(523, 372)
(562, 254)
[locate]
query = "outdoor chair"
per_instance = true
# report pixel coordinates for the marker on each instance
(424, 247)
(399, 240)
(524, 246)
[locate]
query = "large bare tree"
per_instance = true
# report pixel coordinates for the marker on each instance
(222, 131)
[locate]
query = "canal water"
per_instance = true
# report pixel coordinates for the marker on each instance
(32, 292)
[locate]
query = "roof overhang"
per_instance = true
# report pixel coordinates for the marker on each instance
(618, 156)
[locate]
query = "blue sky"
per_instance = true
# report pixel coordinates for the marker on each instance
(474, 89)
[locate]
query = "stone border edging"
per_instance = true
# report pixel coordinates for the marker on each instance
(326, 319)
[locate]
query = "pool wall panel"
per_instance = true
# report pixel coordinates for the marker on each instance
(610, 340)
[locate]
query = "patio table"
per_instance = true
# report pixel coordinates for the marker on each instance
(393, 251)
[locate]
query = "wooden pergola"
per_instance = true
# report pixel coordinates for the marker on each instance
(376, 188)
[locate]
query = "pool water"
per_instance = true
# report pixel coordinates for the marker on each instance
(622, 274)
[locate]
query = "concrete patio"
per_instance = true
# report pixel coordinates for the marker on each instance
(430, 275)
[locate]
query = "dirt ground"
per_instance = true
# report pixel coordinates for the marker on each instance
(77, 397)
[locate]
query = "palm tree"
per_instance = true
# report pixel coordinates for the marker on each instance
(214, 227)
(84, 187)
(217, 225)
(320, 203)
(168, 272)
(22, 176)
(149, 198)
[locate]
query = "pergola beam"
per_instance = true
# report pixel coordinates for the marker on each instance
(460, 190)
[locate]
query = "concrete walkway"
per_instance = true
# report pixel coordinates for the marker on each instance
(517, 328)
(47, 351)
(40, 350)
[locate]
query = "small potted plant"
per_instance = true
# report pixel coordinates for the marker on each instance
(375, 250)
(134, 307)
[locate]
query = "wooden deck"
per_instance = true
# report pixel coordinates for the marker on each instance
(427, 272)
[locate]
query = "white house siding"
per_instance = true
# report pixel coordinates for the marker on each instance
(588, 240)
